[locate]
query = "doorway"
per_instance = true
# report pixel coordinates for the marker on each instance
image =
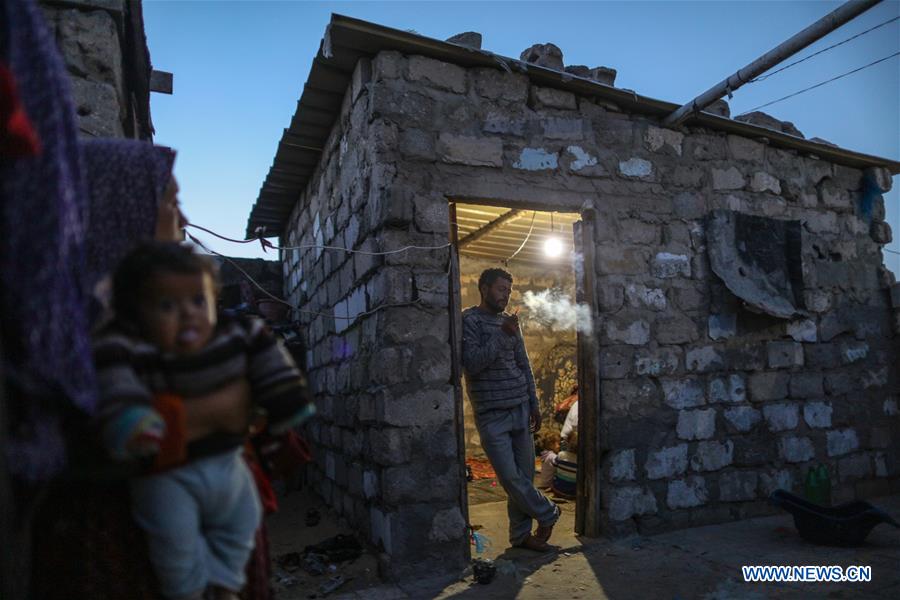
(544, 251)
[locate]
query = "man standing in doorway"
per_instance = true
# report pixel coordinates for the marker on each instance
(501, 387)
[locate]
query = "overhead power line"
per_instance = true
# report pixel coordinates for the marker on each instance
(833, 46)
(812, 87)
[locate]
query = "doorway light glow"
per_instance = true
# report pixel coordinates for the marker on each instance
(553, 247)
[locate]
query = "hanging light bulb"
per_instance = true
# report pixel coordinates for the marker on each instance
(552, 245)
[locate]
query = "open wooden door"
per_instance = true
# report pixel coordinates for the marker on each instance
(587, 505)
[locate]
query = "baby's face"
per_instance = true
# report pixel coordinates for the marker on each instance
(178, 311)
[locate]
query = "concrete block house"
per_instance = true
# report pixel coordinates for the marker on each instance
(742, 326)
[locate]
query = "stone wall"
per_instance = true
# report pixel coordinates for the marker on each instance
(385, 443)
(103, 46)
(705, 406)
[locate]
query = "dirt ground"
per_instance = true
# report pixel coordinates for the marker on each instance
(703, 562)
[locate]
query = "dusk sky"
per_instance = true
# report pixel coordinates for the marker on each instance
(240, 67)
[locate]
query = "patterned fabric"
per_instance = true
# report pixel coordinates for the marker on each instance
(495, 364)
(43, 213)
(126, 180)
(131, 370)
(74, 200)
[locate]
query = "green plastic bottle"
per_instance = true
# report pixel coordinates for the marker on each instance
(817, 487)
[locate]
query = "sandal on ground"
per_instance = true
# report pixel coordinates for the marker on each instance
(534, 544)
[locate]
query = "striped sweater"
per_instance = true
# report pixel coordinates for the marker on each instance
(130, 371)
(495, 364)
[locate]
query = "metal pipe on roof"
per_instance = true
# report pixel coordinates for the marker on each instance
(817, 30)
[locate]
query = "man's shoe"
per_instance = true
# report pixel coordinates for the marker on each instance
(534, 544)
(543, 532)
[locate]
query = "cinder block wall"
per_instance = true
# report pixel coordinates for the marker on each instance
(705, 406)
(103, 46)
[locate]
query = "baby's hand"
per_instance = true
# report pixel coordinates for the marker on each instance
(147, 436)
(137, 431)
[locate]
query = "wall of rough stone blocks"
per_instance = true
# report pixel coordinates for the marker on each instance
(705, 406)
(94, 38)
(385, 441)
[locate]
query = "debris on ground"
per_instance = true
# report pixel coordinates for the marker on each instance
(483, 570)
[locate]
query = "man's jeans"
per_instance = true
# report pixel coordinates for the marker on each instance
(509, 446)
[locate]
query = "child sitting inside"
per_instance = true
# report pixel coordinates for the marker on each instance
(199, 507)
(547, 443)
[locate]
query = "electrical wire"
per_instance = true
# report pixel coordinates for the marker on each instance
(267, 244)
(812, 87)
(525, 241)
(833, 46)
(291, 306)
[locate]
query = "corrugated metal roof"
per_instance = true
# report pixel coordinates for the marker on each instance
(347, 40)
(528, 229)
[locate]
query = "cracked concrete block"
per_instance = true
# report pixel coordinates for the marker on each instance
(640, 296)
(704, 359)
(447, 524)
(676, 330)
(683, 393)
(857, 466)
(712, 455)
(781, 417)
(731, 389)
(667, 265)
(722, 326)
(817, 415)
(553, 98)
(768, 386)
(696, 424)
(544, 55)
(636, 168)
(880, 232)
(498, 85)
(583, 160)
(604, 75)
(807, 385)
(775, 480)
(745, 149)
(761, 181)
(658, 138)
(803, 330)
(633, 333)
(796, 449)
(626, 502)
(727, 179)
(841, 441)
(852, 352)
(437, 73)
(784, 354)
(467, 150)
(687, 493)
(561, 128)
(663, 361)
(622, 466)
(470, 39)
(743, 418)
(536, 159)
(737, 486)
(667, 462)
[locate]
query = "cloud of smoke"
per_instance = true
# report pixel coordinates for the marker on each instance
(553, 309)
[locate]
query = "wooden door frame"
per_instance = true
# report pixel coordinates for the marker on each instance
(588, 506)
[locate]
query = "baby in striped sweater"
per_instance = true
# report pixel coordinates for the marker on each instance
(167, 346)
